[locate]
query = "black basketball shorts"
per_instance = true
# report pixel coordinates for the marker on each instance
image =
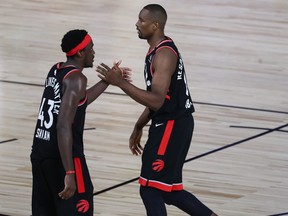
(48, 181)
(165, 152)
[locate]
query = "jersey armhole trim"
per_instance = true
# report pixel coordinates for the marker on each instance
(168, 47)
(71, 71)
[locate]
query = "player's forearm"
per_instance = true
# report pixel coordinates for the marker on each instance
(141, 96)
(65, 140)
(95, 91)
(143, 119)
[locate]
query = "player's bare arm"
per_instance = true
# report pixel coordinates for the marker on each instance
(74, 91)
(163, 65)
(135, 137)
(95, 91)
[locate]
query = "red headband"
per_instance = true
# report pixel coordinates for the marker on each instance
(80, 46)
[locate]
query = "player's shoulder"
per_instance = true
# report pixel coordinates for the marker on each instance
(166, 42)
(167, 47)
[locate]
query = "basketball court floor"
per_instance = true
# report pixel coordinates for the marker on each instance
(235, 55)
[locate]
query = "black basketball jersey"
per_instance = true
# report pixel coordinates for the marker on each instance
(178, 101)
(45, 144)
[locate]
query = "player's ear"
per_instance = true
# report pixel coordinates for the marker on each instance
(156, 25)
(80, 53)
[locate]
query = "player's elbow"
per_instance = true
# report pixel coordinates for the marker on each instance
(156, 105)
(61, 128)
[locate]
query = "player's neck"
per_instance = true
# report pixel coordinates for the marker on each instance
(73, 62)
(154, 41)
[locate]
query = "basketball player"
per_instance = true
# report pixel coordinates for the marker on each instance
(169, 106)
(61, 180)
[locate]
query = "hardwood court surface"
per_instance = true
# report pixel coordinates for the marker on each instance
(235, 55)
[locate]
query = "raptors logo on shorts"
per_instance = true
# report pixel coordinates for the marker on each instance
(158, 165)
(82, 206)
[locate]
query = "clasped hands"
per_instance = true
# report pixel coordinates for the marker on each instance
(115, 74)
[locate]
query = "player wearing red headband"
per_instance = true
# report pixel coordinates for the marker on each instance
(61, 180)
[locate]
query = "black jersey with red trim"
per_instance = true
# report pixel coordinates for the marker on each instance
(178, 101)
(45, 144)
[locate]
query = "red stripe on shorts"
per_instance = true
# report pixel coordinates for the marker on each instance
(79, 175)
(166, 137)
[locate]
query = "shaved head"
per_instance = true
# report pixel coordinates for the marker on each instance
(157, 14)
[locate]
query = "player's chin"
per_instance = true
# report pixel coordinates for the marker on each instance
(89, 65)
(140, 35)
(142, 38)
